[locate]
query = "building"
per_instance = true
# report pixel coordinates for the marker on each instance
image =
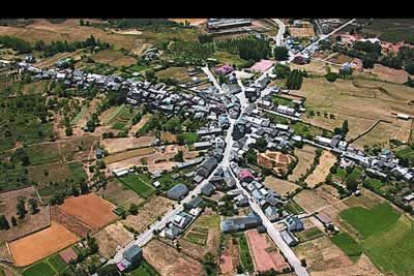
(177, 192)
(240, 223)
(208, 189)
(215, 24)
(132, 256)
(207, 167)
(294, 224)
(172, 232)
(246, 176)
(223, 70)
(202, 145)
(182, 220)
(194, 203)
(289, 238)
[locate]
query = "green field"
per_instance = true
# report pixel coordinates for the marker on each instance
(138, 183)
(282, 101)
(79, 115)
(348, 245)
(373, 183)
(41, 154)
(355, 174)
(118, 126)
(341, 174)
(372, 221)
(78, 173)
(39, 269)
(293, 207)
(58, 263)
(144, 269)
(310, 234)
(309, 131)
(245, 258)
(407, 154)
(190, 137)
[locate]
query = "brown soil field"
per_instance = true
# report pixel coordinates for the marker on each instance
(90, 209)
(305, 156)
(264, 253)
(276, 161)
(310, 201)
(348, 102)
(127, 154)
(45, 63)
(315, 67)
(156, 206)
(339, 58)
(68, 255)
(70, 30)
(169, 262)
(230, 258)
(326, 161)
(192, 21)
(30, 223)
(367, 199)
(111, 237)
(302, 32)
(137, 127)
(281, 186)
(127, 143)
(114, 58)
(168, 136)
(5, 253)
(69, 222)
(119, 195)
(41, 244)
(387, 74)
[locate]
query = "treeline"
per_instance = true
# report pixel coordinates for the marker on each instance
(53, 48)
(191, 49)
(295, 79)
(248, 48)
(127, 23)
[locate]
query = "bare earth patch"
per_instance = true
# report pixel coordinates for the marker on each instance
(281, 186)
(305, 156)
(120, 195)
(326, 161)
(112, 237)
(123, 144)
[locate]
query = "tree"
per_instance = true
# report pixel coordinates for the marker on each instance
(69, 131)
(81, 22)
(4, 224)
(21, 207)
(209, 264)
(84, 188)
(75, 191)
(93, 246)
(34, 206)
(281, 71)
(133, 209)
(368, 62)
(261, 144)
(14, 221)
(281, 53)
(410, 68)
(345, 128)
(351, 184)
(108, 270)
(179, 156)
(331, 77)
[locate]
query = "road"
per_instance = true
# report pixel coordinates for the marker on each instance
(280, 32)
(211, 77)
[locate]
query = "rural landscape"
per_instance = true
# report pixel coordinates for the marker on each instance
(206, 146)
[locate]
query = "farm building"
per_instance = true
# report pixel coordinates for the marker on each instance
(294, 224)
(207, 190)
(177, 192)
(240, 223)
(131, 258)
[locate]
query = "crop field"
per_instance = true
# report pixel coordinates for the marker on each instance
(381, 134)
(388, 74)
(114, 58)
(128, 154)
(111, 237)
(41, 244)
(407, 153)
(310, 234)
(30, 223)
(326, 161)
(120, 195)
(310, 201)
(156, 206)
(168, 261)
(39, 269)
(245, 257)
(144, 269)
(46, 153)
(138, 183)
(57, 262)
(305, 156)
(281, 186)
(68, 254)
(127, 143)
(90, 209)
(178, 73)
(348, 245)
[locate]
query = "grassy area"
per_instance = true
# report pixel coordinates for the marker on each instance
(310, 234)
(118, 126)
(39, 269)
(373, 183)
(190, 137)
(41, 154)
(141, 184)
(79, 115)
(245, 258)
(78, 173)
(348, 245)
(407, 153)
(372, 221)
(282, 101)
(355, 174)
(293, 207)
(144, 269)
(309, 131)
(341, 174)
(57, 262)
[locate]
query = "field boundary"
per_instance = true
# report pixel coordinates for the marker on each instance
(352, 140)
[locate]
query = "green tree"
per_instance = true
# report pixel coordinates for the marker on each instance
(133, 209)
(281, 53)
(69, 131)
(4, 224)
(410, 68)
(179, 156)
(21, 207)
(34, 206)
(14, 221)
(209, 264)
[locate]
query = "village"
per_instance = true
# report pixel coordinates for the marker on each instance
(232, 172)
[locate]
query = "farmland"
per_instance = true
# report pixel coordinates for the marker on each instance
(141, 184)
(40, 269)
(120, 195)
(327, 160)
(128, 154)
(305, 157)
(283, 187)
(111, 237)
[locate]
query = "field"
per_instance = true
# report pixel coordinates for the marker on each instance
(302, 32)
(168, 261)
(310, 234)
(27, 225)
(39, 269)
(264, 252)
(141, 184)
(305, 156)
(229, 258)
(326, 161)
(68, 254)
(347, 101)
(407, 153)
(57, 262)
(144, 269)
(388, 74)
(310, 201)
(178, 73)
(276, 161)
(281, 186)
(69, 222)
(155, 207)
(127, 154)
(348, 245)
(90, 209)
(41, 244)
(245, 257)
(113, 58)
(202, 237)
(128, 143)
(111, 237)
(392, 30)
(120, 195)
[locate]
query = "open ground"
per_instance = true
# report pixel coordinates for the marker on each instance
(168, 261)
(326, 161)
(283, 187)
(39, 245)
(120, 195)
(305, 156)
(230, 257)
(112, 237)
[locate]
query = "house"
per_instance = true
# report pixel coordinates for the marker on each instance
(156, 184)
(294, 224)
(177, 192)
(99, 153)
(272, 213)
(181, 220)
(223, 70)
(208, 189)
(207, 167)
(285, 110)
(241, 200)
(120, 172)
(273, 199)
(246, 176)
(202, 145)
(240, 223)
(325, 219)
(172, 232)
(289, 238)
(194, 203)
(323, 141)
(131, 257)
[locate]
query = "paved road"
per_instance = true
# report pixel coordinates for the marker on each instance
(280, 32)
(211, 77)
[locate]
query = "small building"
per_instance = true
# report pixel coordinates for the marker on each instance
(289, 238)
(246, 176)
(156, 184)
(223, 70)
(324, 218)
(202, 145)
(132, 256)
(172, 232)
(208, 189)
(240, 223)
(177, 192)
(294, 224)
(194, 203)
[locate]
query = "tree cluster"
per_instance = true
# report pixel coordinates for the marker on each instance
(294, 80)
